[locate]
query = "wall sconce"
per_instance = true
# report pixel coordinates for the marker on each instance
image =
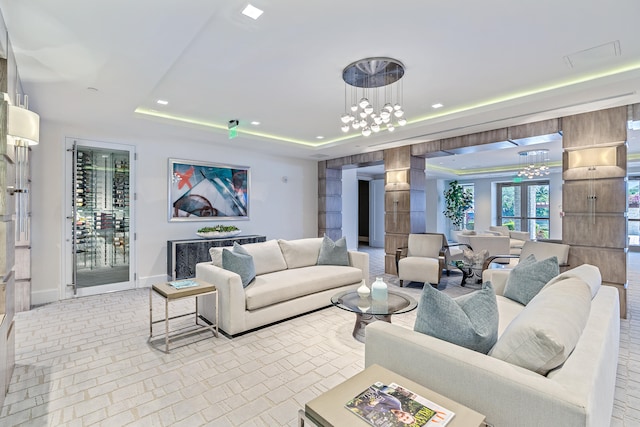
(22, 124)
(595, 162)
(593, 157)
(23, 130)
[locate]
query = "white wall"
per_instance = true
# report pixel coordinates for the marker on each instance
(376, 213)
(350, 207)
(277, 209)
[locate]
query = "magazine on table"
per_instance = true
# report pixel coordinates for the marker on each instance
(392, 405)
(179, 284)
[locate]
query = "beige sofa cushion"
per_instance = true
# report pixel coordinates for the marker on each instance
(267, 256)
(285, 285)
(547, 330)
(301, 252)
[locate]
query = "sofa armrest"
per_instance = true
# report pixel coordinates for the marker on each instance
(497, 389)
(231, 297)
(360, 260)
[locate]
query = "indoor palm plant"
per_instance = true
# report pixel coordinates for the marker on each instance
(458, 201)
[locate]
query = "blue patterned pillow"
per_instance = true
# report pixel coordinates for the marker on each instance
(240, 262)
(528, 277)
(469, 321)
(333, 253)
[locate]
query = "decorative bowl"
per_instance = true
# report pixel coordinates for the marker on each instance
(218, 234)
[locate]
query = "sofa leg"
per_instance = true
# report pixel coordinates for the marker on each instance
(401, 284)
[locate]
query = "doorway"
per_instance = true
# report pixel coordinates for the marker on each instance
(99, 253)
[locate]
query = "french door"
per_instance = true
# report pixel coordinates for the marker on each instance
(99, 211)
(525, 207)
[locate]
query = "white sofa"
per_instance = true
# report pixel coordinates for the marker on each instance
(578, 393)
(288, 283)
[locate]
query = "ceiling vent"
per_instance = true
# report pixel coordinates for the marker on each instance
(593, 56)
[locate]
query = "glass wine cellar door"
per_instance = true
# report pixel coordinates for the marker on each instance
(99, 223)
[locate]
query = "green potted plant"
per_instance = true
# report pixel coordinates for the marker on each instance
(457, 202)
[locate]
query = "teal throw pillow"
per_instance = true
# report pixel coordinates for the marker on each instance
(333, 253)
(469, 321)
(240, 262)
(528, 277)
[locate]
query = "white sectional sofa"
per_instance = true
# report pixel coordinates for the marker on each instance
(580, 392)
(288, 283)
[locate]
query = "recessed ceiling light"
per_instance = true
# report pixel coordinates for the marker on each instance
(438, 105)
(255, 123)
(319, 137)
(252, 12)
(162, 102)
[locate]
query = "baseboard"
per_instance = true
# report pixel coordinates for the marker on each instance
(147, 282)
(44, 297)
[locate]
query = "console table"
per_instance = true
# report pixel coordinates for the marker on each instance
(184, 254)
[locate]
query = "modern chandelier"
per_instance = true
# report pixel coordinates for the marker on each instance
(369, 102)
(533, 163)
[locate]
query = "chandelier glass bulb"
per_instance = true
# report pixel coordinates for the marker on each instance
(363, 102)
(366, 131)
(345, 128)
(402, 121)
(355, 124)
(390, 127)
(368, 109)
(345, 118)
(375, 127)
(354, 108)
(398, 113)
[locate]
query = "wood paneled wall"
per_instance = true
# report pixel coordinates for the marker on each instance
(404, 201)
(594, 201)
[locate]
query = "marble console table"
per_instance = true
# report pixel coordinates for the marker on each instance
(184, 254)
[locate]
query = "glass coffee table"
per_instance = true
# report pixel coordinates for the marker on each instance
(368, 310)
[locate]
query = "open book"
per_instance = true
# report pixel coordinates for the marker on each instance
(394, 406)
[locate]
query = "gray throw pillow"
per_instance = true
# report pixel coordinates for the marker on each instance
(469, 321)
(528, 277)
(333, 253)
(240, 262)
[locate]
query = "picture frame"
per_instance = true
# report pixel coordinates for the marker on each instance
(205, 191)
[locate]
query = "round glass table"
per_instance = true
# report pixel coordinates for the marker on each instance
(368, 310)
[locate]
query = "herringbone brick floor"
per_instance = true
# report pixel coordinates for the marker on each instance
(88, 361)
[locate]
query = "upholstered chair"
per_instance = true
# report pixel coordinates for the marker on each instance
(422, 260)
(516, 238)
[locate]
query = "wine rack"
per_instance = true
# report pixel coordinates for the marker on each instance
(101, 196)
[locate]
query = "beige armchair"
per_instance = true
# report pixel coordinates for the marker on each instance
(516, 238)
(541, 250)
(422, 260)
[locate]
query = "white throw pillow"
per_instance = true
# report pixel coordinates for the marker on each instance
(545, 333)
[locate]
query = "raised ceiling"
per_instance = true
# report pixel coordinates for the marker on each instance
(101, 65)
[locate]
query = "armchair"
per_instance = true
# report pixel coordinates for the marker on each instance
(540, 250)
(516, 238)
(422, 260)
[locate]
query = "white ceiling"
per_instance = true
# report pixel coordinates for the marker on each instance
(491, 63)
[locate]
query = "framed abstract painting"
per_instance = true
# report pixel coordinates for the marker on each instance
(201, 191)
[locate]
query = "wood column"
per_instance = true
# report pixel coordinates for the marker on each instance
(329, 201)
(594, 196)
(404, 201)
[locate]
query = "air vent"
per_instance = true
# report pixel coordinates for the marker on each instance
(595, 55)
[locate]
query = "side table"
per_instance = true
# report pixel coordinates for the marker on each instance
(170, 293)
(328, 410)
